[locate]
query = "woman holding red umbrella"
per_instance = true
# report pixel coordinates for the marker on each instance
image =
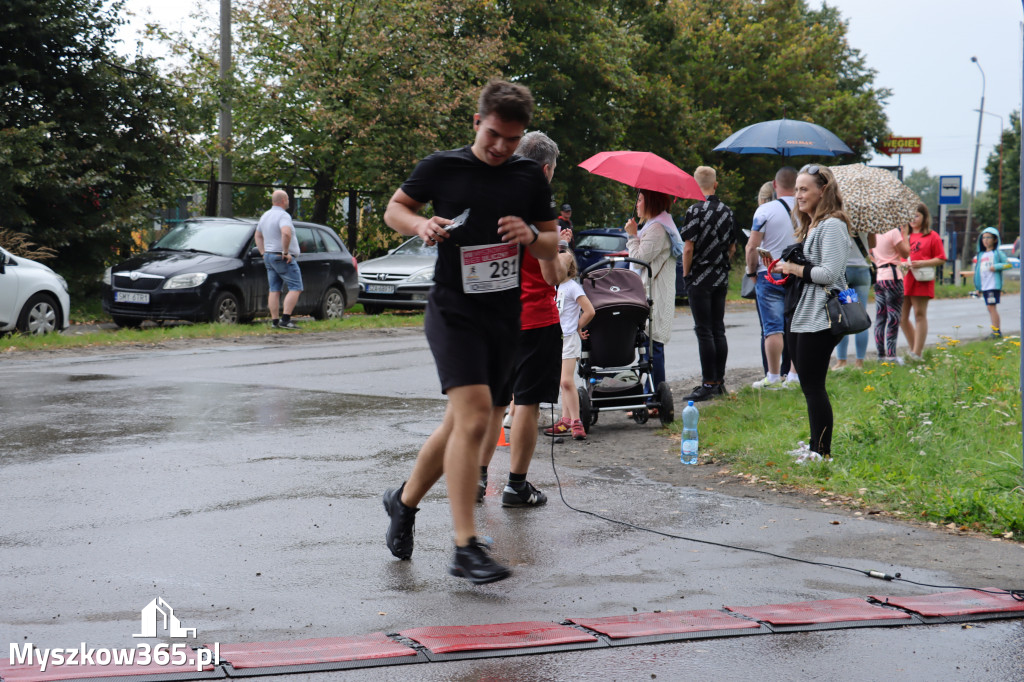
(652, 243)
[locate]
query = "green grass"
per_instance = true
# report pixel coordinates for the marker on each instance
(938, 441)
(354, 319)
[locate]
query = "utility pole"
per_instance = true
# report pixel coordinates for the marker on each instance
(965, 251)
(224, 190)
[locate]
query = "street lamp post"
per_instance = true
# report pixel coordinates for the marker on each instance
(966, 250)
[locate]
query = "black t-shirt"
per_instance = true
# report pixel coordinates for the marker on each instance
(455, 180)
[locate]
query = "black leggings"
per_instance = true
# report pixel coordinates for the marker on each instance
(810, 353)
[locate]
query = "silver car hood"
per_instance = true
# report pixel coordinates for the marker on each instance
(396, 264)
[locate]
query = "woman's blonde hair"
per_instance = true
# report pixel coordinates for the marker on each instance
(572, 267)
(765, 194)
(829, 206)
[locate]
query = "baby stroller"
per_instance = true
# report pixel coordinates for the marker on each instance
(616, 359)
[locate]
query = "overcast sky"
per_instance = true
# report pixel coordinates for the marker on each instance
(921, 50)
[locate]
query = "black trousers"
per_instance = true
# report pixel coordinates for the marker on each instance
(810, 353)
(708, 308)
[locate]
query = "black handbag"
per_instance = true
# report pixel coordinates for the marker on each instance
(845, 318)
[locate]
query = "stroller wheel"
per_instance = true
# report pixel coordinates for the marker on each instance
(666, 409)
(587, 416)
(640, 416)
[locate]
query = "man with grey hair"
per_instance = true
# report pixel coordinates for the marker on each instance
(538, 359)
(275, 238)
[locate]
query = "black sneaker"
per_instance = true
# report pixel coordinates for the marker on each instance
(720, 389)
(288, 325)
(274, 324)
(474, 564)
(527, 496)
(481, 489)
(702, 392)
(400, 531)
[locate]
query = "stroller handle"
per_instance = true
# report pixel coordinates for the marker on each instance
(610, 261)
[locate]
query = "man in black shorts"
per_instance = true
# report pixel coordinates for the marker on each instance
(538, 361)
(472, 317)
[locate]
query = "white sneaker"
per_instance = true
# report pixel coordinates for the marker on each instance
(894, 361)
(791, 382)
(809, 456)
(507, 421)
(914, 357)
(765, 383)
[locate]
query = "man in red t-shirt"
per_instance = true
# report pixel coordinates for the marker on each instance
(538, 360)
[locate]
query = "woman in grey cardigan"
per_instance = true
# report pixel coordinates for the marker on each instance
(822, 227)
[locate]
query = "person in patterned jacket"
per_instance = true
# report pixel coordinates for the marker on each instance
(709, 242)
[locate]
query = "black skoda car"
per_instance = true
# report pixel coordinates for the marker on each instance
(209, 269)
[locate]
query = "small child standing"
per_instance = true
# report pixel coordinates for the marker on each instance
(988, 274)
(575, 311)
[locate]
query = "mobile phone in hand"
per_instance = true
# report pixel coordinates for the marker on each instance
(764, 253)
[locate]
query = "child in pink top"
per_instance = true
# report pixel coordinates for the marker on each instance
(888, 250)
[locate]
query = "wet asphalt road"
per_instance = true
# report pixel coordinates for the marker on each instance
(242, 483)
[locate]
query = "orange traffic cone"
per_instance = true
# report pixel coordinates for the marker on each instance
(501, 439)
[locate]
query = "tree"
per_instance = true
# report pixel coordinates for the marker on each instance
(575, 57)
(925, 185)
(87, 148)
(987, 210)
(339, 95)
(712, 67)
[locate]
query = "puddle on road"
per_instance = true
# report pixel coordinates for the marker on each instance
(93, 412)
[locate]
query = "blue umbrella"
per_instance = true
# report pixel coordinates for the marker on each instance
(784, 137)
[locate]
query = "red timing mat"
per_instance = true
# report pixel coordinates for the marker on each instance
(309, 651)
(815, 612)
(451, 639)
(666, 623)
(958, 603)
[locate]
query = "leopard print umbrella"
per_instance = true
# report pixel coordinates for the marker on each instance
(873, 198)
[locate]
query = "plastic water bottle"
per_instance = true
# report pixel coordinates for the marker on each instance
(688, 451)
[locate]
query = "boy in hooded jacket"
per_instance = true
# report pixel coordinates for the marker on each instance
(988, 274)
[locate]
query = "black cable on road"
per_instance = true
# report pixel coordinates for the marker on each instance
(1018, 595)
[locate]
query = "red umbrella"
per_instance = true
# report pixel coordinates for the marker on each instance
(644, 170)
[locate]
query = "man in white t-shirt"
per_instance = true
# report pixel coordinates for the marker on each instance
(275, 238)
(773, 231)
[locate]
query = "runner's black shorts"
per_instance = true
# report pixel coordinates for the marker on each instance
(469, 346)
(538, 365)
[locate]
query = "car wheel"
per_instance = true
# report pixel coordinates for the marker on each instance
(332, 306)
(371, 309)
(226, 309)
(126, 322)
(41, 315)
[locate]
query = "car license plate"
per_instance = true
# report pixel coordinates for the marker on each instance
(380, 288)
(130, 297)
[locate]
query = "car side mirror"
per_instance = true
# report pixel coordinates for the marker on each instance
(4, 260)
(254, 252)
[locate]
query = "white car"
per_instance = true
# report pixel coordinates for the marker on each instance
(33, 298)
